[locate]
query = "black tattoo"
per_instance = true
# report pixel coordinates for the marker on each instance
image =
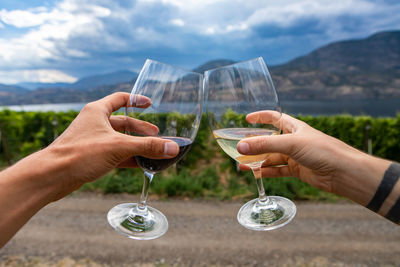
(394, 212)
(389, 180)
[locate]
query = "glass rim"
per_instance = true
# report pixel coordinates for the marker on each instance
(170, 65)
(236, 63)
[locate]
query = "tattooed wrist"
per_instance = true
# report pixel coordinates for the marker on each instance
(389, 180)
(394, 212)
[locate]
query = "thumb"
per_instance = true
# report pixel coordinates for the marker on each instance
(149, 147)
(286, 144)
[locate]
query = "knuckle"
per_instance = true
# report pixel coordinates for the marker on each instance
(89, 107)
(153, 145)
(260, 145)
(117, 94)
(119, 139)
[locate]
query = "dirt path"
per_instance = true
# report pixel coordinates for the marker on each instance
(74, 231)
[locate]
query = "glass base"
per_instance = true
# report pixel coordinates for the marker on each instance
(129, 220)
(274, 213)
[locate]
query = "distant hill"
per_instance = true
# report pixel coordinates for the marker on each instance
(354, 69)
(87, 82)
(213, 64)
(367, 68)
(84, 90)
(36, 85)
(104, 79)
(11, 89)
(10, 95)
(377, 53)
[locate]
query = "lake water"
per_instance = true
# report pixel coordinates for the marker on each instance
(375, 108)
(46, 107)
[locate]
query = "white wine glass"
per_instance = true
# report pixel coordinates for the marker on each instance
(176, 108)
(232, 92)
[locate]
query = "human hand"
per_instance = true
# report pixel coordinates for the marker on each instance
(92, 145)
(308, 154)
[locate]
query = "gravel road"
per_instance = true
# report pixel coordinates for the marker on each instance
(74, 232)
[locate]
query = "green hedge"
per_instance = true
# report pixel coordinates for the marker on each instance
(27, 132)
(384, 132)
(205, 171)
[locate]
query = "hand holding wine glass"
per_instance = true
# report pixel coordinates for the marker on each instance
(301, 151)
(232, 92)
(175, 112)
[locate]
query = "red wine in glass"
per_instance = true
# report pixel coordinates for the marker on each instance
(157, 165)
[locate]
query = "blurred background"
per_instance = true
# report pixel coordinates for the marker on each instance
(335, 65)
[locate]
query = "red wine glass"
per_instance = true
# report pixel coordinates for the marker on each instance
(176, 107)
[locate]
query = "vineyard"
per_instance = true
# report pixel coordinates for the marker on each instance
(205, 171)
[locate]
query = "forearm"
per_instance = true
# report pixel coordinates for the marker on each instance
(372, 182)
(25, 188)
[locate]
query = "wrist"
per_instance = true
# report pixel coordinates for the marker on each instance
(26, 187)
(360, 176)
(45, 173)
(57, 173)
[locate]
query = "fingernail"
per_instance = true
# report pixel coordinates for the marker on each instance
(139, 101)
(171, 149)
(243, 148)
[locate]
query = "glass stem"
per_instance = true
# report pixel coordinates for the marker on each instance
(263, 199)
(148, 177)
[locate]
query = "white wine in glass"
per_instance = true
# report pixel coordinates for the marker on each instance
(228, 139)
(232, 92)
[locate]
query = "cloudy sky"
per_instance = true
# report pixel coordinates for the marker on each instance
(61, 41)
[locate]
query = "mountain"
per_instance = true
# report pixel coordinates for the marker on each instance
(36, 85)
(84, 90)
(9, 94)
(68, 95)
(88, 82)
(361, 69)
(104, 79)
(377, 53)
(352, 69)
(4, 88)
(213, 64)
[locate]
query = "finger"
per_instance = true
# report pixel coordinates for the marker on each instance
(270, 172)
(244, 167)
(265, 116)
(274, 172)
(128, 124)
(287, 123)
(272, 159)
(286, 144)
(129, 163)
(139, 101)
(118, 100)
(149, 147)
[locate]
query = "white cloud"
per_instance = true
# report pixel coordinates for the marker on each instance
(54, 28)
(39, 75)
(178, 22)
(286, 13)
(221, 17)
(226, 16)
(76, 32)
(210, 30)
(63, 13)
(192, 5)
(22, 18)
